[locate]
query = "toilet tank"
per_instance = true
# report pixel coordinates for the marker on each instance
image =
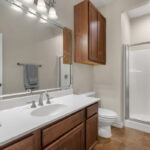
(89, 94)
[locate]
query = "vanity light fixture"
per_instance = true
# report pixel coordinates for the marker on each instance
(41, 6)
(31, 13)
(39, 11)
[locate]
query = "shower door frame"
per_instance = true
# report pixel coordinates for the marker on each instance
(126, 87)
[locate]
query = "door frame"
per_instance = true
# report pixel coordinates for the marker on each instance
(1, 63)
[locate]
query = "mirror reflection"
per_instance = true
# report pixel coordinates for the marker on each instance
(32, 53)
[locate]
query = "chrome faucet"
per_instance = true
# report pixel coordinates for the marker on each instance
(41, 100)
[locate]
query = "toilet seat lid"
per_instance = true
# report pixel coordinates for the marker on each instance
(107, 113)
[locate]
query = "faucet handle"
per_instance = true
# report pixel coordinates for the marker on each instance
(33, 104)
(41, 100)
(29, 91)
(48, 98)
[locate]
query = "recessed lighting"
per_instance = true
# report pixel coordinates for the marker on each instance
(16, 8)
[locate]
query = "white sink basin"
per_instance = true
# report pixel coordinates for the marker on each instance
(51, 109)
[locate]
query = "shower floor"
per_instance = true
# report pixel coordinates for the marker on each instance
(140, 117)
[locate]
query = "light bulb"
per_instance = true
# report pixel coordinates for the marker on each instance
(41, 6)
(52, 13)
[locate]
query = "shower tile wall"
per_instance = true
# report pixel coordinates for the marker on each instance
(139, 84)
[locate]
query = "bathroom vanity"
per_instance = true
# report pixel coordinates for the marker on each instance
(39, 59)
(74, 127)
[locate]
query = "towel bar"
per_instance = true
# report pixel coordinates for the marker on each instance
(20, 64)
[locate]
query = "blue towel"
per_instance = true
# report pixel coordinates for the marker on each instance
(30, 76)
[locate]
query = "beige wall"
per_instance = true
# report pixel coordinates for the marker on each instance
(108, 79)
(125, 28)
(82, 78)
(140, 29)
(82, 74)
(25, 40)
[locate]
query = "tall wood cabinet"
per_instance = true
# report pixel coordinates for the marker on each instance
(90, 34)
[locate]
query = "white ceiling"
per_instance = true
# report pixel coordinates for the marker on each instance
(100, 3)
(140, 11)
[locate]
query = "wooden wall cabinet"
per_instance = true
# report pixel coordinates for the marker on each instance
(90, 34)
(67, 46)
(78, 131)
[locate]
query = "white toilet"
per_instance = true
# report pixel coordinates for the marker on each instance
(106, 119)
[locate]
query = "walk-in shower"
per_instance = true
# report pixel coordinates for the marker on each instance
(137, 86)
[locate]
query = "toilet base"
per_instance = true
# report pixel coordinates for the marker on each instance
(105, 132)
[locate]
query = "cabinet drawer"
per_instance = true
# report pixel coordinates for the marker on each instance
(91, 110)
(53, 132)
(25, 144)
(73, 140)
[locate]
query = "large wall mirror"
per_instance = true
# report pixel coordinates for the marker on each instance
(33, 55)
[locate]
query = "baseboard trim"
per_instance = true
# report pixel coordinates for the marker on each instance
(118, 125)
(137, 126)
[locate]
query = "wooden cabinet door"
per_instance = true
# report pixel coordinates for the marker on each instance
(81, 28)
(101, 39)
(25, 144)
(74, 140)
(91, 132)
(67, 46)
(93, 33)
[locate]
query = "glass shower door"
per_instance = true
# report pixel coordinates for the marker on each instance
(139, 82)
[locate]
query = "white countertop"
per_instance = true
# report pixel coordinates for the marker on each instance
(17, 122)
